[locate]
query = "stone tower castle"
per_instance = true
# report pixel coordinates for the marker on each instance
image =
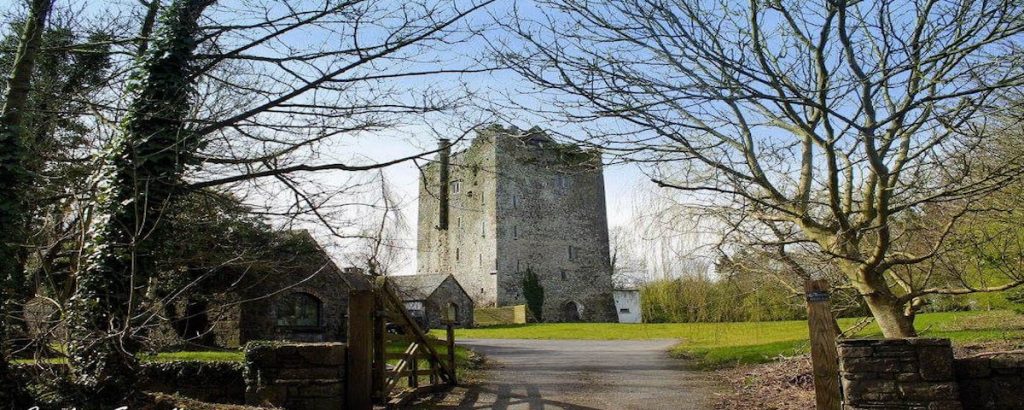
(519, 202)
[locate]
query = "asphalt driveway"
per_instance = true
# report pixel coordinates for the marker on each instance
(580, 374)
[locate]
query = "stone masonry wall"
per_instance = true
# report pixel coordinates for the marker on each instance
(991, 382)
(437, 305)
(467, 249)
(898, 374)
(552, 221)
(922, 374)
(519, 201)
(295, 376)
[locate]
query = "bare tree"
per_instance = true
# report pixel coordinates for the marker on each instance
(833, 120)
(226, 97)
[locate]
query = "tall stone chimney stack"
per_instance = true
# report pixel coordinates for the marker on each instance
(444, 157)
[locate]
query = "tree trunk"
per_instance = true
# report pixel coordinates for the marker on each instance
(13, 182)
(888, 312)
(141, 175)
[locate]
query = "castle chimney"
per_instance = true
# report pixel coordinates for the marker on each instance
(444, 156)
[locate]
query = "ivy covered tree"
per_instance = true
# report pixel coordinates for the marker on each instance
(13, 181)
(141, 175)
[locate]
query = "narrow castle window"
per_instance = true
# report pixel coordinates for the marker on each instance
(515, 201)
(565, 275)
(480, 259)
(563, 182)
(456, 253)
(456, 186)
(572, 253)
(515, 232)
(483, 229)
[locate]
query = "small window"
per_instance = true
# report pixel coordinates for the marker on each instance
(565, 275)
(298, 310)
(456, 253)
(519, 265)
(480, 259)
(515, 201)
(456, 186)
(515, 232)
(624, 310)
(563, 182)
(483, 229)
(573, 252)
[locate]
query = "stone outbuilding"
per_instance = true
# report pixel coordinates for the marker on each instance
(431, 299)
(304, 299)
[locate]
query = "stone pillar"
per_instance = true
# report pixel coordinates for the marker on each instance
(295, 376)
(898, 374)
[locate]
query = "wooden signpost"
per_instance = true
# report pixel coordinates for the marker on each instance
(824, 357)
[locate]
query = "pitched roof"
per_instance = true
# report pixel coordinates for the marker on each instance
(416, 287)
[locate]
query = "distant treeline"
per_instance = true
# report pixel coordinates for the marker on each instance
(753, 299)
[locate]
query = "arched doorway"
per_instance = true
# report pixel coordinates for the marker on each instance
(571, 311)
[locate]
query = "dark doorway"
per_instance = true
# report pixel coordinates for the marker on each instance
(571, 312)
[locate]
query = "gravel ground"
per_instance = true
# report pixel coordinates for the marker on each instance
(580, 374)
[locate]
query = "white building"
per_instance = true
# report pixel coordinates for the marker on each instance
(627, 304)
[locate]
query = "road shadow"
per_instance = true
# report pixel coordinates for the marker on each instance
(496, 397)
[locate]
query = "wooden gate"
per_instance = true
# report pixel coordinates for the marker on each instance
(392, 359)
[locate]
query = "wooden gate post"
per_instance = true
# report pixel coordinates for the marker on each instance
(824, 357)
(451, 352)
(379, 347)
(361, 306)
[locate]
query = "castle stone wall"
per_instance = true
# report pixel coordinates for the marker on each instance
(517, 204)
(467, 248)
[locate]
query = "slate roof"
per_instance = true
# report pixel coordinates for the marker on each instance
(416, 287)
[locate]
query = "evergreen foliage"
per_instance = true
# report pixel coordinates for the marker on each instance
(533, 291)
(14, 180)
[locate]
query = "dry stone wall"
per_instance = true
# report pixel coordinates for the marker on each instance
(308, 376)
(922, 374)
(991, 382)
(898, 374)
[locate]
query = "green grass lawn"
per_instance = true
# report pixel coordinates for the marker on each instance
(718, 344)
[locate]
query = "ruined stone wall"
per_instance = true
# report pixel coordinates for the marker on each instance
(552, 221)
